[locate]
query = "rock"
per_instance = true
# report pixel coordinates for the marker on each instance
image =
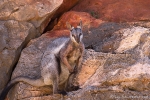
(65, 6)
(96, 95)
(129, 70)
(123, 70)
(107, 35)
(131, 38)
(74, 18)
(102, 32)
(123, 73)
(109, 65)
(14, 36)
(92, 28)
(116, 10)
(146, 48)
(100, 73)
(39, 13)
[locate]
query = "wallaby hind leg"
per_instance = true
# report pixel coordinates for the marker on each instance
(49, 71)
(55, 85)
(69, 86)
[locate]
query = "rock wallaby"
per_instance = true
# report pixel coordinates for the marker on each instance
(59, 60)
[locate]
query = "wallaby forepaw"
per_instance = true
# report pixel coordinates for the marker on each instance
(76, 88)
(63, 92)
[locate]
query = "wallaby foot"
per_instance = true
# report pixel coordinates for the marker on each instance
(62, 92)
(55, 85)
(75, 88)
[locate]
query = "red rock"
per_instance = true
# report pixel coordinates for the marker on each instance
(116, 10)
(74, 18)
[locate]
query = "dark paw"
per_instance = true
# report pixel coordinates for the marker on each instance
(62, 92)
(75, 88)
(72, 88)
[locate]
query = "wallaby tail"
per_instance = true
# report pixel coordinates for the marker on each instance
(34, 82)
(6, 90)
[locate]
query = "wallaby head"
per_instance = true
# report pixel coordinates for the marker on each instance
(76, 34)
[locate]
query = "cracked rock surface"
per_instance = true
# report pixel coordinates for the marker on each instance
(102, 75)
(14, 36)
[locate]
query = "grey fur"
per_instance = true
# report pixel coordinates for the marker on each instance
(68, 51)
(49, 65)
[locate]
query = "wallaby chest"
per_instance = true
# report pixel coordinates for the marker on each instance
(74, 54)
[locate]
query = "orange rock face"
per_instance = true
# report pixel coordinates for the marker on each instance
(116, 10)
(74, 18)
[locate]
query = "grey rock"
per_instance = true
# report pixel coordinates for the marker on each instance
(14, 37)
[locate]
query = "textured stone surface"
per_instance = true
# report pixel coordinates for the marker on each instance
(124, 73)
(116, 10)
(74, 18)
(66, 5)
(97, 94)
(106, 36)
(37, 12)
(14, 36)
(131, 38)
(98, 35)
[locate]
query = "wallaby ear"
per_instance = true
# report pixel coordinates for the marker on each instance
(80, 24)
(68, 25)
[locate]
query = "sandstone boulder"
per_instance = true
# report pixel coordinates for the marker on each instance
(14, 36)
(37, 12)
(74, 17)
(116, 10)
